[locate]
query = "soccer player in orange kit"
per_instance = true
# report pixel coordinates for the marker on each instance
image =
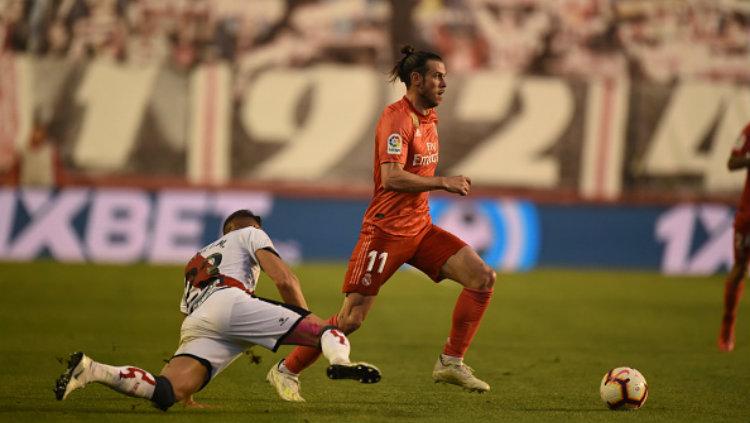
(735, 282)
(397, 229)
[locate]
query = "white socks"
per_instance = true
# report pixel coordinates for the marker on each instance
(128, 380)
(335, 346)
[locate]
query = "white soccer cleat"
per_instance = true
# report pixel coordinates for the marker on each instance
(287, 385)
(458, 373)
(74, 376)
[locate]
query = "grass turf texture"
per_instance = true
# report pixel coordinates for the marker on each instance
(546, 341)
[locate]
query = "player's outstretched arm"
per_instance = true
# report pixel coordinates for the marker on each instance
(281, 275)
(395, 178)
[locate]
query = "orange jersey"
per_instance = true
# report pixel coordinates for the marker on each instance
(404, 136)
(742, 149)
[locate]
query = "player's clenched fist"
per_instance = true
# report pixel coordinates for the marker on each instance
(458, 184)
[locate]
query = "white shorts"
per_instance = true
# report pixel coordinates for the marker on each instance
(229, 322)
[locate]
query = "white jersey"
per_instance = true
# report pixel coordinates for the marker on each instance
(228, 262)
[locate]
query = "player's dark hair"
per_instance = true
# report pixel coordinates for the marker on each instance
(413, 61)
(243, 213)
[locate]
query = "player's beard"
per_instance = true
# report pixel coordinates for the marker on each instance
(428, 99)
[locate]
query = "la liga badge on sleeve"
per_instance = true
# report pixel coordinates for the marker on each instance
(394, 144)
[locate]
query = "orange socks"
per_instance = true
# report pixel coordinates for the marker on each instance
(467, 315)
(302, 357)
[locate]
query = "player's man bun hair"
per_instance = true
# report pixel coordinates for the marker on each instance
(243, 213)
(412, 61)
(407, 50)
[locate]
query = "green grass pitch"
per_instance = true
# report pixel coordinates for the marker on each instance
(544, 344)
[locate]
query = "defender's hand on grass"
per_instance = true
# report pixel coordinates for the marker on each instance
(191, 403)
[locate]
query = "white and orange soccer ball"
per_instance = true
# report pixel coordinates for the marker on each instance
(624, 388)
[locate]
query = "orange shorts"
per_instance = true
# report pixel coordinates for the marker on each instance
(741, 235)
(378, 255)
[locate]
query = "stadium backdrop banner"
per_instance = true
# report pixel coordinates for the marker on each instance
(168, 226)
(600, 138)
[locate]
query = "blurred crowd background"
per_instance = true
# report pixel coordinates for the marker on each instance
(655, 40)
(676, 74)
(129, 117)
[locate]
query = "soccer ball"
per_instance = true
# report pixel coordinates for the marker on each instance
(624, 387)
